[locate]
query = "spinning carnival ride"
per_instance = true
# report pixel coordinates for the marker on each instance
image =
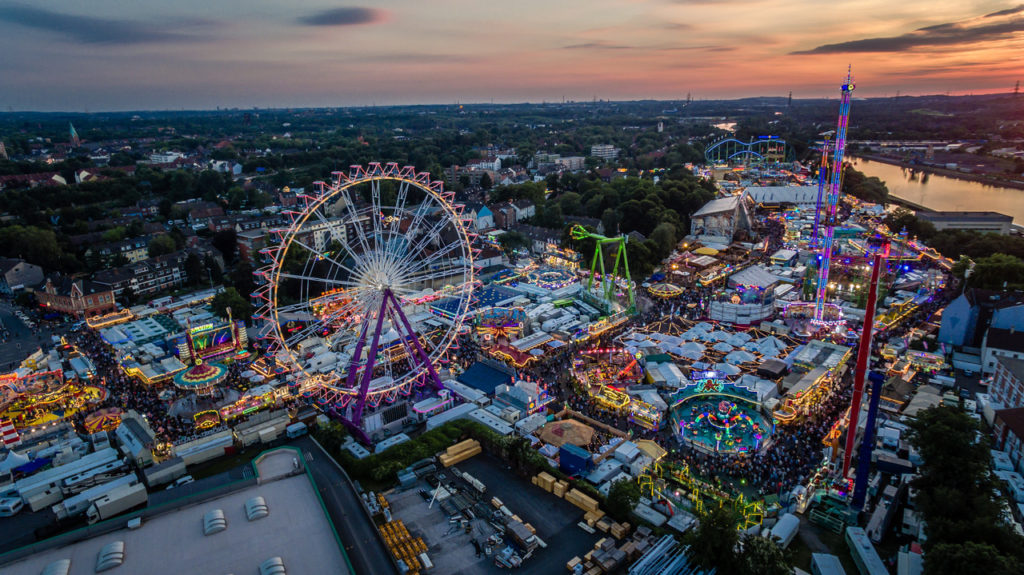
(341, 279)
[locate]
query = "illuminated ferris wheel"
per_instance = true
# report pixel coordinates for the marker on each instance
(344, 287)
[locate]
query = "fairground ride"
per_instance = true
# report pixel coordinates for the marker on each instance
(344, 273)
(610, 284)
(834, 191)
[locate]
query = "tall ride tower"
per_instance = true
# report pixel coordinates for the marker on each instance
(834, 190)
(826, 145)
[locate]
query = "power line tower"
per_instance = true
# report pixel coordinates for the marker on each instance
(834, 191)
(1016, 88)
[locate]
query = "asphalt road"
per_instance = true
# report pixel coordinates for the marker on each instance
(358, 534)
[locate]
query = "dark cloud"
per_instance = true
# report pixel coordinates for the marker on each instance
(950, 34)
(598, 46)
(92, 30)
(350, 16)
(1007, 12)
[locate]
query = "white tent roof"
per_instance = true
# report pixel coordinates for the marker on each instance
(13, 460)
(726, 368)
(739, 356)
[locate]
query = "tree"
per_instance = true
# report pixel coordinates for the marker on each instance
(194, 269)
(114, 234)
(486, 182)
(764, 556)
(665, 237)
(230, 298)
(713, 542)
(227, 242)
(161, 245)
(956, 495)
(622, 498)
(35, 245)
(968, 557)
(512, 240)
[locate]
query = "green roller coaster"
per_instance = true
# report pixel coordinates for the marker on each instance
(608, 281)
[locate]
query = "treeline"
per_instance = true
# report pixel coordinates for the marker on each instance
(957, 497)
(660, 211)
(998, 260)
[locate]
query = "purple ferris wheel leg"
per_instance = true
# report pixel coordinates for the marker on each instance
(422, 356)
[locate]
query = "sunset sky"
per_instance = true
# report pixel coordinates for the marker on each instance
(186, 54)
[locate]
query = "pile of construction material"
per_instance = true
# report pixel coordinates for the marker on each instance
(584, 502)
(410, 551)
(460, 452)
(609, 556)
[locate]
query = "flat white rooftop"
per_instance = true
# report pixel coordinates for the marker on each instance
(297, 530)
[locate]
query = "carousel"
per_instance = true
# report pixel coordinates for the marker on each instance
(202, 378)
(717, 416)
(665, 290)
(107, 419)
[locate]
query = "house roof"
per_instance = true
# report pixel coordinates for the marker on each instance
(7, 264)
(1013, 418)
(718, 206)
(1007, 339)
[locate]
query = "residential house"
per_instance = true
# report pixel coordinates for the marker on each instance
(32, 180)
(605, 152)
(480, 215)
(16, 274)
(146, 277)
(78, 297)
(201, 213)
(1008, 428)
(1007, 388)
(250, 242)
(505, 215)
(132, 249)
(524, 209)
(489, 256)
(572, 163)
(966, 318)
(1000, 342)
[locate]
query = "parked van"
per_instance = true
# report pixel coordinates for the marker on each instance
(10, 506)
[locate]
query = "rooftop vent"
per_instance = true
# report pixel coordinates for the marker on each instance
(214, 522)
(59, 567)
(273, 566)
(110, 556)
(256, 508)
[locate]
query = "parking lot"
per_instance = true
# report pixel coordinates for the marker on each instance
(451, 548)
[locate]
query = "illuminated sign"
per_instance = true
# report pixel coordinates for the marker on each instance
(709, 381)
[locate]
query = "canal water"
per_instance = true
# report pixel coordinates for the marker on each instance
(945, 194)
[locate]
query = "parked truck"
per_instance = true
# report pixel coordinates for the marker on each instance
(117, 501)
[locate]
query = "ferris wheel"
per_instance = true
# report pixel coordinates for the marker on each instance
(344, 287)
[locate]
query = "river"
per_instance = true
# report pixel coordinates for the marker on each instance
(942, 193)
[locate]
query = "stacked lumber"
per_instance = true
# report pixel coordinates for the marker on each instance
(584, 502)
(592, 517)
(460, 452)
(560, 488)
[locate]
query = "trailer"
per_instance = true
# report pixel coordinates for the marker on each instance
(117, 501)
(786, 529)
(164, 472)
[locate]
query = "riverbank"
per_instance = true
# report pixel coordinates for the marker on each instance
(953, 174)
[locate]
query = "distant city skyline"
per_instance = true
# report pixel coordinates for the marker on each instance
(111, 55)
